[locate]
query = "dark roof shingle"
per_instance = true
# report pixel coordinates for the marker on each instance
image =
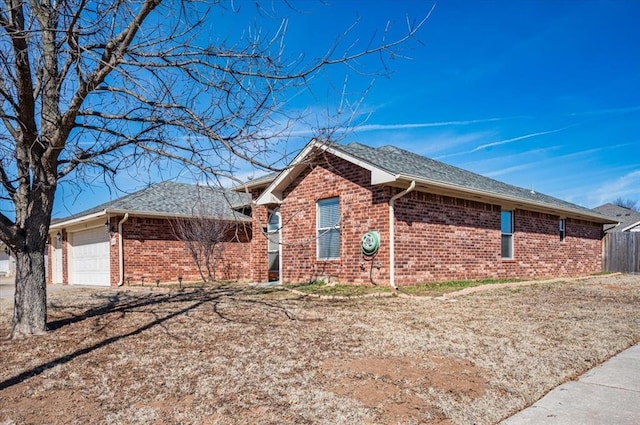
(177, 199)
(625, 216)
(399, 161)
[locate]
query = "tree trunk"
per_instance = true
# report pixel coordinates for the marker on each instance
(30, 307)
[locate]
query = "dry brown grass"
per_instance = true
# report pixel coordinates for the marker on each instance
(237, 355)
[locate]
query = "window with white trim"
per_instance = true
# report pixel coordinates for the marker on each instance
(506, 227)
(562, 229)
(328, 229)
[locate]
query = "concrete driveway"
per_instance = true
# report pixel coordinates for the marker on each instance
(7, 287)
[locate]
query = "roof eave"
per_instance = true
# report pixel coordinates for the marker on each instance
(77, 220)
(251, 185)
(108, 212)
(516, 201)
(631, 226)
(158, 214)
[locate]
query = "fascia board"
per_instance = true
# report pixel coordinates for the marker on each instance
(77, 220)
(273, 193)
(631, 226)
(105, 213)
(156, 214)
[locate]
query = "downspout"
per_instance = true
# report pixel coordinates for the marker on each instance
(120, 249)
(392, 233)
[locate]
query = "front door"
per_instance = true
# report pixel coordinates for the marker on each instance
(273, 245)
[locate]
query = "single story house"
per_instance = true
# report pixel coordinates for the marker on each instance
(626, 220)
(357, 214)
(135, 238)
(342, 213)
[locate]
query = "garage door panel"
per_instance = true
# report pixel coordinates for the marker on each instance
(90, 257)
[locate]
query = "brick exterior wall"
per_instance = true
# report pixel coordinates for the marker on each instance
(152, 251)
(442, 238)
(259, 262)
(438, 238)
(362, 208)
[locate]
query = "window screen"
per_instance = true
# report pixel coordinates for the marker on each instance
(328, 228)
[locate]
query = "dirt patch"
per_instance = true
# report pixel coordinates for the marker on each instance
(393, 385)
(38, 401)
(237, 355)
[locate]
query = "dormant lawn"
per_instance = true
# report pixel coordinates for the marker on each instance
(238, 355)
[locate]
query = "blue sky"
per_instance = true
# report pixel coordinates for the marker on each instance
(538, 94)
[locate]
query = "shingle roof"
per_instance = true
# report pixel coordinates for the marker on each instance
(258, 182)
(401, 162)
(625, 216)
(176, 199)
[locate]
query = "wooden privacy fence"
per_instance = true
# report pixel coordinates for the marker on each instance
(622, 252)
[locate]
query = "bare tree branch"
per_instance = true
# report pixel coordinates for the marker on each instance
(93, 88)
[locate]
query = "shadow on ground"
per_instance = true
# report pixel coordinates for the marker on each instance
(130, 302)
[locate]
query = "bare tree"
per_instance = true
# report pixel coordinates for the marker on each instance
(96, 87)
(627, 203)
(203, 237)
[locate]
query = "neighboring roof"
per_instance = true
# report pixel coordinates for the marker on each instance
(257, 183)
(170, 199)
(389, 164)
(626, 218)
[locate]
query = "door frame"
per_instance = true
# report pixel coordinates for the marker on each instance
(274, 213)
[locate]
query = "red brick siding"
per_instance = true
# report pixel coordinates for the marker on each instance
(151, 250)
(362, 208)
(437, 237)
(538, 250)
(259, 262)
(65, 257)
(442, 238)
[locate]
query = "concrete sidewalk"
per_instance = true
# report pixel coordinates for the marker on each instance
(607, 394)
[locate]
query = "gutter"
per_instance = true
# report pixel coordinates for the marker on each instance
(120, 249)
(92, 216)
(555, 209)
(76, 220)
(392, 233)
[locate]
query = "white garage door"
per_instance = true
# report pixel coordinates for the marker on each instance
(90, 257)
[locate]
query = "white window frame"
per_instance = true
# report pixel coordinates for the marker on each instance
(509, 235)
(323, 230)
